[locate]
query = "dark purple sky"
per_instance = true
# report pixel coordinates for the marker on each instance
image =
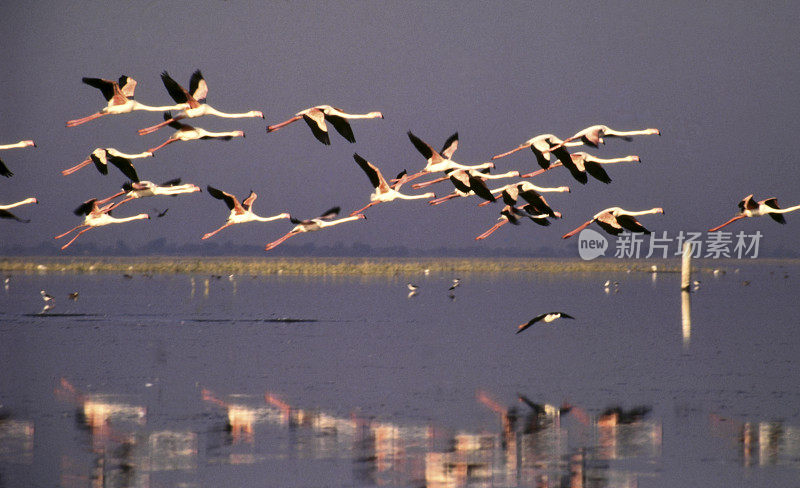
(721, 82)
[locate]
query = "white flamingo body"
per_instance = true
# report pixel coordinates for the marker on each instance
(4, 171)
(542, 146)
(513, 215)
(103, 155)
(142, 189)
(240, 212)
(4, 209)
(316, 117)
(748, 207)
(583, 163)
(440, 162)
(616, 220)
(313, 225)
(185, 132)
(119, 95)
(194, 100)
(596, 134)
(383, 192)
(96, 216)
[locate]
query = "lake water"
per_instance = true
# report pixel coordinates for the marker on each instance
(198, 381)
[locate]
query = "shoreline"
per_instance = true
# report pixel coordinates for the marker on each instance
(353, 266)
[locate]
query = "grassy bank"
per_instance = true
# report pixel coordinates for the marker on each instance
(345, 266)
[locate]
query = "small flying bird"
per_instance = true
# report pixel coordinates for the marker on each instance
(194, 98)
(316, 117)
(119, 95)
(412, 289)
(615, 220)
(383, 191)
(546, 318)
(96, 216)
(185, 132)
(104, 155)
(5, 214)
(594, 135)
(240, 212)
(312, 225)
(49, 301)
(4, 171)
(748, 207)
(160, 213)
(73, 296)
(455, 283)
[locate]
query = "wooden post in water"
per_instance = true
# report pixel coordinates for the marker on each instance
(686, 266)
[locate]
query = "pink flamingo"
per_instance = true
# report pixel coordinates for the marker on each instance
(542, 145)
(383, 191)
(514, 214)
(748, 207)
(615, 220)
(4, 171)
(440, 162)
(240, 212)
(96, 216)
(316, 116)
(142, 189)
(102, 156)
(316, 224)
(194, 98)
(119, 95)
(586, 163)
(185, 132)
(594, 135)
(5, 214)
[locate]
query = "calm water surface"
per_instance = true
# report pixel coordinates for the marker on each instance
(199, 381)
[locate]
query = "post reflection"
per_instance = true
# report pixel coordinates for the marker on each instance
(686, 317)
(760, 443)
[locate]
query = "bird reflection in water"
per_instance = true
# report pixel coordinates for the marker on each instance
(760, 443)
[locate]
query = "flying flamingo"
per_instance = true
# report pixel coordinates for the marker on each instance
(119, 95)
(240, 212)
(4, 171)
(542, 145)
(439, 162)
(514, 214)
(104, 155)
(185, 132)
(615, 220)
(584, 162)
(194, 99)
(466, 182)
(546, 318)
(383, 192)
(595, 134)
(316, 116)
(312, 225)
(5, 214)
(750, 208)
(141, 189)
(511, 192)
(96, 216)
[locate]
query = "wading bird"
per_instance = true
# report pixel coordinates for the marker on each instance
(615, 220)
(440, 162)
(514, 214)
(316, 116)
(141, 189)
(96, 216)
(312, 225)
(546, 318)
(185, 132)
(595, 135)
(119, 95)
(104, 155)
(586, 163)
(383, 191)
(49, 301)
(240, 212)
(542, 145)
(748, 207)
(4, 171)
(5, 214)
(194, 98)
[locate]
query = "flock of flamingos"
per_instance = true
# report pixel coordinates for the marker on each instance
(522, 199)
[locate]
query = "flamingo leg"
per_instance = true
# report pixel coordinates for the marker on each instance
(272, 128)
(726, 223)
(407, 178)
(83, 120)
(119, 202)
(424, 184)
(73, 239)
(100, 202)
(443, 199)
(274, 244)
(484, 203)
(540, 171)
(75, 168)
(492, 229)
(573, 232)
(206, 236)
(168, 141)
(67, 232)
(153, 128)
(509, 152)
(366, 207)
